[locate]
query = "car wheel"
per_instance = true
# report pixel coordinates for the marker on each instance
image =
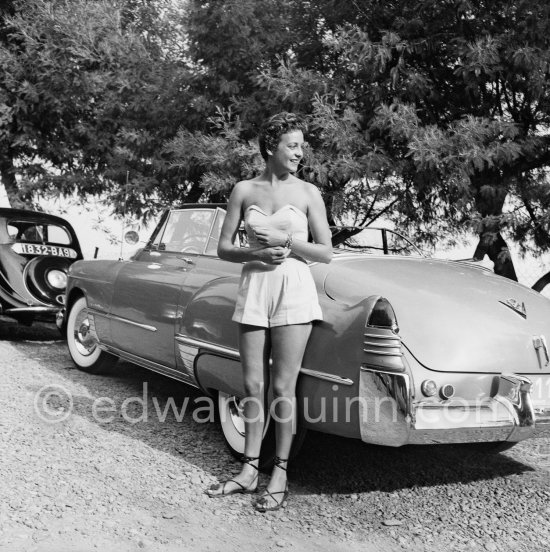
(542, 285)
(230, 417)
(82, 346)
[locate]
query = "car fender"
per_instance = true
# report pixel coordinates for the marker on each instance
(95, 281)
(330, 370)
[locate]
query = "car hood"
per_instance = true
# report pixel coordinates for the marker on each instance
(452, 316)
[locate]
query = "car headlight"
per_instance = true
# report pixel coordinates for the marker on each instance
(57, 279)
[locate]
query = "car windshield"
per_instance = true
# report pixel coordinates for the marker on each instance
(186, 230)
(372, 240)
(28, 231)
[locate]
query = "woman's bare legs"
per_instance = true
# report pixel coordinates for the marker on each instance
(288, 344)
(254, 348)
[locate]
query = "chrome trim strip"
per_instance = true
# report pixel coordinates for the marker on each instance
(232, 353)
(379, 336)
(382, 345)
(91, 322)
(123, 320)
(95, 312)
(149, 364)
(539, 342)
(451, 405)
(394, 369)
(383, 353)
(187, 356)
(192, 342)
(325, 376)
(132, 323)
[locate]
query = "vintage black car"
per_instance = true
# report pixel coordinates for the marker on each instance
(36, 251)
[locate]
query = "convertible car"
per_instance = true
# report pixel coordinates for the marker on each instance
(411, 350)
(36, 251)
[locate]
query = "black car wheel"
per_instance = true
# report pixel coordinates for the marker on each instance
(82, 345)
(46, 278)
(542, 285)
(230, 416)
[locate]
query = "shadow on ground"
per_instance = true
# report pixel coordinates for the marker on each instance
(39, 331)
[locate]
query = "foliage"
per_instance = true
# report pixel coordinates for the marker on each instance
(88, 95)
(434, 112)
(437, 109)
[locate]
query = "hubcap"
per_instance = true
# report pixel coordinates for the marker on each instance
(83, 339)
(236, 414)
(232, 421)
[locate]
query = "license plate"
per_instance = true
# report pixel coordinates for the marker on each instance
(41, 249)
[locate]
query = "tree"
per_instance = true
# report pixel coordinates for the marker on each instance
(468, 114)
(244, 75)
(437, 110)
(89, 92)
(432, 111)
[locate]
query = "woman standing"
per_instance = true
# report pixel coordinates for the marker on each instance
(277, 299)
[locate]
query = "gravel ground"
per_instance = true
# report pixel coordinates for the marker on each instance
(119, 478)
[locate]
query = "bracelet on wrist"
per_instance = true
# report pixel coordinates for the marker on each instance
(288, 242)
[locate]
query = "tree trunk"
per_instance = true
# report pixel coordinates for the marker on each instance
(491, 191)
(7, 174)
(194, 194)
(496, 249)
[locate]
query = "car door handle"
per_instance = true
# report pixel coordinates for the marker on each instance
(188, 260)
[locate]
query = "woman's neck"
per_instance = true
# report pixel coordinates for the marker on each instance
(273, 177)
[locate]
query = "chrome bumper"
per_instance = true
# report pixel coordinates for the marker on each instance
(389, 416)
(31, 310)
(37, 312)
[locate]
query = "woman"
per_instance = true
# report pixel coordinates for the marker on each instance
(277, 299)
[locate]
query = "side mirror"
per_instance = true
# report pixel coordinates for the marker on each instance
(131, 237)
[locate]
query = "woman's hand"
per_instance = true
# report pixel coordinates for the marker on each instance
(270, 237)
(273, 255)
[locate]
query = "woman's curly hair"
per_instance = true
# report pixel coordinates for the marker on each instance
(277, 125)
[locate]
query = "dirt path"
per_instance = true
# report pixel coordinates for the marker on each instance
(79, 485)
(100, 463)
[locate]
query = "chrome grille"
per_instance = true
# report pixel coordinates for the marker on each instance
(382, 350)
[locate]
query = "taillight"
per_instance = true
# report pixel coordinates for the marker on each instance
(382, 344)
(383, 316)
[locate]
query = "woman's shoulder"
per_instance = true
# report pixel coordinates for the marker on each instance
(242, 188)
(308, 188)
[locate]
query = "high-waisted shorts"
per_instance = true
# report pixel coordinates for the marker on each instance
(277, 295)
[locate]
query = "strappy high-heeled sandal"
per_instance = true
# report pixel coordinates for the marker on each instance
(262, 503)
(241, 489)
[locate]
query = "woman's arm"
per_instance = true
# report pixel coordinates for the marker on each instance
(230, 227)
(319, 251)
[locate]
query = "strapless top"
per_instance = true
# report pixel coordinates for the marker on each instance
(288, 219)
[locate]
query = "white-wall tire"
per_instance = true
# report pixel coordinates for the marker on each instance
(82, 347)
(232, 426)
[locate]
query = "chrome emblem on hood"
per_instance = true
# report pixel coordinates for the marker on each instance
(539, 342)
(516, 306)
